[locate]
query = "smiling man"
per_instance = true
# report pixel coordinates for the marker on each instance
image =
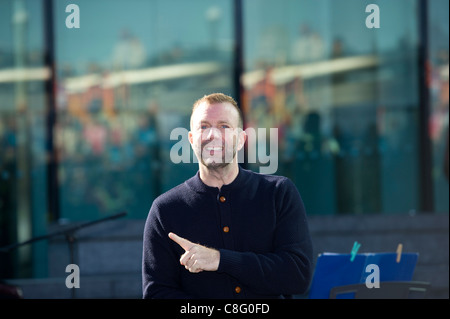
(226, 232)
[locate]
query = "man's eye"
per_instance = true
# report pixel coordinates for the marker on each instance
(204, 127)
(225, 126)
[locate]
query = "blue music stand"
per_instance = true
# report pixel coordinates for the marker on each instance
(333, 269)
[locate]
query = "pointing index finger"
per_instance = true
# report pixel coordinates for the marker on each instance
(184, 243)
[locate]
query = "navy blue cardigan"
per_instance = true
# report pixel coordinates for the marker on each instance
(258, 223)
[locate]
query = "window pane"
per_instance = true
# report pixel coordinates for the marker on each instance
(438, 125)
(343, 97)
(127, 77)
(23, 192)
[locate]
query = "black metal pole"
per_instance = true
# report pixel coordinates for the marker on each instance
(238, 51)
(71, 230)
(50, 90)
(71, 239)
(239, 63)
(425, 148)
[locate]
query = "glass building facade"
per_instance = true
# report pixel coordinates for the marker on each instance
(90, 96)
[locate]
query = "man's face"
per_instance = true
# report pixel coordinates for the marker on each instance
(215, 135)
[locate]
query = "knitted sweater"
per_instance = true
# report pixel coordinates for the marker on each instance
(257, 222)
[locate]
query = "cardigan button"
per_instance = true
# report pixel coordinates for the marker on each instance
(237, 289)
(222, 199)
(226, 229)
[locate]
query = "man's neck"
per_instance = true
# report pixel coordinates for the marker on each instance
(220, 176)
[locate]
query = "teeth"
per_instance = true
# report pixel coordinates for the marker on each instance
(213, 148)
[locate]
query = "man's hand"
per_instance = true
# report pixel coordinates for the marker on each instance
(197, 258)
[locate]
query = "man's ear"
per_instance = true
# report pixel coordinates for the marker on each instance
(190, 137)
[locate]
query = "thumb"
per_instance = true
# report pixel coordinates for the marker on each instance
(184, 243)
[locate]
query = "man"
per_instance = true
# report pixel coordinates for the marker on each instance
(226, 232)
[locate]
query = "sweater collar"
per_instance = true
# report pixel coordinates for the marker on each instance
(197, 184)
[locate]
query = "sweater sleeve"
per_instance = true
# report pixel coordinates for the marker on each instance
(160, 266)
(287, 269)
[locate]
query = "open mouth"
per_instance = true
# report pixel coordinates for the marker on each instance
(213, 149)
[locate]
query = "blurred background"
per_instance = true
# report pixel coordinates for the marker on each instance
(86, 115)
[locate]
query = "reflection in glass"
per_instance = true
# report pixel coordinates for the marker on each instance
(342, 98)
(128, 85)
(439, 94)
(23, 193)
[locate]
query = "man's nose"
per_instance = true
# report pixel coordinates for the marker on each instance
(213, 133)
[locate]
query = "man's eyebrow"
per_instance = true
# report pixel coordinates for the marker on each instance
(220, 122)
(223, 121)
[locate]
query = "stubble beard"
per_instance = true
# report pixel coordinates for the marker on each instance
(225, 161)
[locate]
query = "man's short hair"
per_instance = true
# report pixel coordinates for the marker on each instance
(219, 98)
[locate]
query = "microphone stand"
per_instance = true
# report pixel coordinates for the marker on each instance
(68, 233)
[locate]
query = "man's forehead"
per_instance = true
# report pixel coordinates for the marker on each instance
(225, 111)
